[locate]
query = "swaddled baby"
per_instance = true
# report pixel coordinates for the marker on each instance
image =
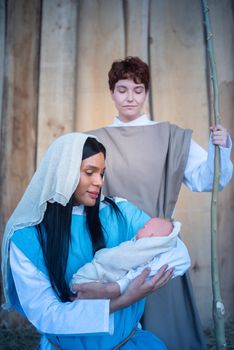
(155, 245)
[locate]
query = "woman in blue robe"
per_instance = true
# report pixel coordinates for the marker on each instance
(56, 228)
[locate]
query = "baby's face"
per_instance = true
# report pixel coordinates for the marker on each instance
(155, 227)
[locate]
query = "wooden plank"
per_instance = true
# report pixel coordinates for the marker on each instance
(2, 51)
(57, 71)
(178, 64)
(137, 32)
(19, 101)
(179, 83)
(137, 22)
(100, 41)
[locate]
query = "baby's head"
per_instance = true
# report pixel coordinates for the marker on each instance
(155, 227)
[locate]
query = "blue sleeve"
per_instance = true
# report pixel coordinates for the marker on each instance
(27, 241)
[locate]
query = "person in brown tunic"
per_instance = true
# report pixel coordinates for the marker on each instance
(147, 163)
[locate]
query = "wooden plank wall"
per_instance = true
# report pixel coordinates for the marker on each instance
(19, 103)
(56, 60)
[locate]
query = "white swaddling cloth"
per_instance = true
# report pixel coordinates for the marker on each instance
(126, 261)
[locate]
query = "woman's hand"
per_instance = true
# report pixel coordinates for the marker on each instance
(96, 290)
(219, 135)
(141, 287)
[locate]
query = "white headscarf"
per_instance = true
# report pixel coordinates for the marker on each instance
(55, 180)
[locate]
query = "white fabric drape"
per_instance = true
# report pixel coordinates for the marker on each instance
(54, 181)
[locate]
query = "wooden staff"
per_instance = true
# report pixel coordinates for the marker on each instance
(218, 306)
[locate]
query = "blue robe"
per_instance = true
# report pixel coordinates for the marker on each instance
(116, 230)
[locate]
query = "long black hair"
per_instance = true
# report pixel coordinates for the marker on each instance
(54, 232)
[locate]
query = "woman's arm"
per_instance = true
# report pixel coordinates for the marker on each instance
(139, 288)
(46, 312)
(96, 290)
(199, 171)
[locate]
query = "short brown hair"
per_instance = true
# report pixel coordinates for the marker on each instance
(129, 68)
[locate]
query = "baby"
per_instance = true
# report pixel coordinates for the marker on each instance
(155, 227)
(155, 245)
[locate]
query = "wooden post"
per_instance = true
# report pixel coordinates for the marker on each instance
(100, 41)
(57, 71)
(19, 110)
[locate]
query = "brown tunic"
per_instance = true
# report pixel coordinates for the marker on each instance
(145, 164)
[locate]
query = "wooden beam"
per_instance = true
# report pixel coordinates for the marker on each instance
(19, 117)
(57, 71)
